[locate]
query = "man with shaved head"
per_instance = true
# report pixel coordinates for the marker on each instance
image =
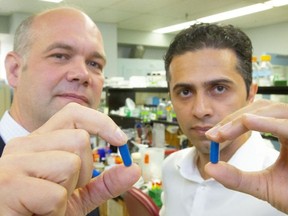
(56, 72)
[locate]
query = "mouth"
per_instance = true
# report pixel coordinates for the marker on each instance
(201, 130)
(75, 98)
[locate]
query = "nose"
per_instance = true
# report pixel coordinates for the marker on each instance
(201, 106)
(78, 72)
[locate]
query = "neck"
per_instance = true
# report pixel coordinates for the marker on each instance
(226, 152)
(19, 117)
(202, 160)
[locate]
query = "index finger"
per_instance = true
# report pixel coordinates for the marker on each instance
(75, 116)
(234, 124)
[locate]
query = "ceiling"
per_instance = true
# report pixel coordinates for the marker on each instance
(147, 15)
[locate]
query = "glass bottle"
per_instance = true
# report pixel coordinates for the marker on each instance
(265, 74)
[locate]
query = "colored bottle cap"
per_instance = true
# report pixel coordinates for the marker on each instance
(125, 154)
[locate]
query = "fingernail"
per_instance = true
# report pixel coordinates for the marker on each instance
(120, 135)
(225, 127)
(213, 131)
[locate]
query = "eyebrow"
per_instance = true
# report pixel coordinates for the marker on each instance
(99, 56)
(65, 46)
(217, 81)
(58, 45)
(207, 83)
(182, 85)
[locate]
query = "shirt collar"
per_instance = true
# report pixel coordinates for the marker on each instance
(186, 164)
(10, 129)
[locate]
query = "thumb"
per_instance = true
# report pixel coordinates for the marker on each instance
(109, 184)
(235, 179)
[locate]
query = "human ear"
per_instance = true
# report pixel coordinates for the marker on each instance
(252, 92)
(13, 64)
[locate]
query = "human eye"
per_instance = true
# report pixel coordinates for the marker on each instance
(59, 56)
(219, 89)
(95, 65)
(184, 93)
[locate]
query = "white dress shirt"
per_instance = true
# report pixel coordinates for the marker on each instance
(187, 193)
(10, 129)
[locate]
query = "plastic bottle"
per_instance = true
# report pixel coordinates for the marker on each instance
(153, 113)
(158, 135)
(146, 173)
(161, 110)
(255, 69)
(265, 74)
(148, 79)
(170, 112)
(280, 76)
(153, 79)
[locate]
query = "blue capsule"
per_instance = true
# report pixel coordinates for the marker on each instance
(125, 155)
(95, 173)
(214, 152)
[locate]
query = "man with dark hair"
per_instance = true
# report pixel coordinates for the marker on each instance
(209, 74)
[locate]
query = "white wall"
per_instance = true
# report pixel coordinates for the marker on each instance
(270, 39)
(266, 39)
(15, 20)
(6, 44)
(143, 38)
(109, 33)
(138, 67)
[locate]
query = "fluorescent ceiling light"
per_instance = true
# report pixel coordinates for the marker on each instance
(54, 1)
(277, 3)
(174, 28)
(235, 13)
(225, 15)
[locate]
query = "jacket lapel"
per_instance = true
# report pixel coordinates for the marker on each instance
(2, 145)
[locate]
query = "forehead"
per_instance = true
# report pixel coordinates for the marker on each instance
(72, 27)
(204, 64)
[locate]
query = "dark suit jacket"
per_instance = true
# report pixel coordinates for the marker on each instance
(2, 144)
